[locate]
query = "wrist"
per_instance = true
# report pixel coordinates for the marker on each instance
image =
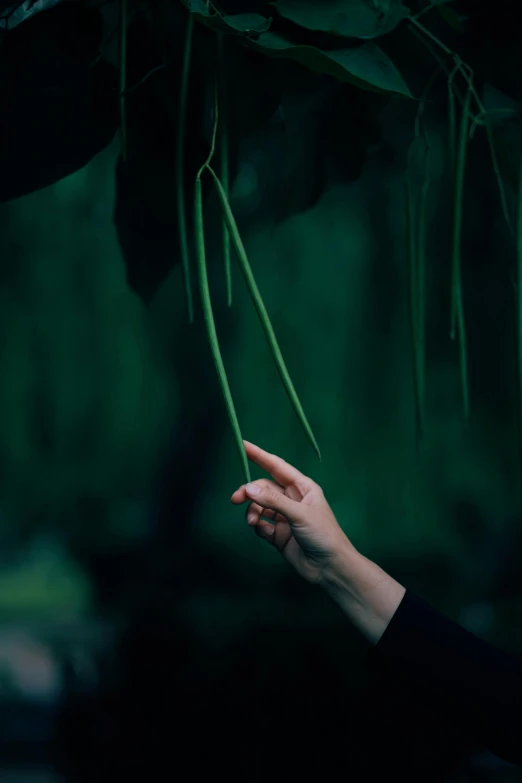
(365, 593)
(342, 571)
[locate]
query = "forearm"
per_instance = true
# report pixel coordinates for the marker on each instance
(366, 594)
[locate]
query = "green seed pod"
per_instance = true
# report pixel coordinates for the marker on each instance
(211, 328)
(261, 310)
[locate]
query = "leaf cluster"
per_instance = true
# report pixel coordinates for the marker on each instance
(332, 37)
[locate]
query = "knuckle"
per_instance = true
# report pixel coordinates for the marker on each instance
(310, 484)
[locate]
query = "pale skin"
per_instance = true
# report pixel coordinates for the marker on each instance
(309, 537)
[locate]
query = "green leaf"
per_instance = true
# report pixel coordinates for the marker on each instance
(248, 23)
(365, 65)
(350, 18)
(238, 24)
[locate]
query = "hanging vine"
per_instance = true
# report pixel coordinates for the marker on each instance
(232, 230)
(369, 68)
(518, 304)
(224, 161)
(344, 41)
(180, 168)
(458, 323)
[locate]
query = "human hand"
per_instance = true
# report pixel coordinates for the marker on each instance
(306, 531)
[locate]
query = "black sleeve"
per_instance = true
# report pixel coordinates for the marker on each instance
(457, 672)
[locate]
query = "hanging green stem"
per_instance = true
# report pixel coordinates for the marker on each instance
(206, 302)
(180, 179)
(123, 78)
(410, 233)
(496, 169)
(416, 256)
(206, 164)
(452, 122)
(421, 276)
(458, 180)
(261, 310)
(224, 161)
(211, 328)
(412, 259)
(452, 144)
(444, 64)
(457, 306)
(463, 357)
(258, 302)
(425, 35)
(519, 303)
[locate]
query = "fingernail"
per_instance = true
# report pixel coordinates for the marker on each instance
(253, 489)
(270, 531)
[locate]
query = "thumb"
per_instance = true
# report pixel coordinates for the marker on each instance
(276, 500)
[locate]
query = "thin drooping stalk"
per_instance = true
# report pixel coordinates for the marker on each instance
(224, 159)
(413, 302)
(261, 310)
(452, 144)
(421, 277)
(457, 306)
(180, 169)
(123, 78)
(466, 72)
(519, 304)
(444, 64)
(463, 357)
(207, 304)
(458, 184)
(212, 150)
(414, 248)
(416, 205)
(211, 327)
(496, 168)
(254, 292)
(452, 123)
